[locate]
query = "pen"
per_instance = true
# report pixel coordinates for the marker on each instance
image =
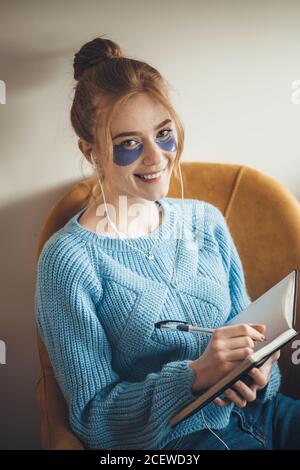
(182, 326)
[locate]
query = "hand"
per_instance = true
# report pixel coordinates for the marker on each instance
(228, 346)
(260, 377)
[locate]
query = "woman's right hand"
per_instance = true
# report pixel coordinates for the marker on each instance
(228, 346)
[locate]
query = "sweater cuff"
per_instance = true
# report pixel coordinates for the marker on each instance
(184, 378)
(175, 393)
(181, 377)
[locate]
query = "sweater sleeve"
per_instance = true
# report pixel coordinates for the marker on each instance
(105, 412)
(238, 292)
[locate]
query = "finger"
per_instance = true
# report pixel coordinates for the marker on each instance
(259, 327)
(273, 358)
(221, 403)
(258, 376)
(237, 354)
(235, 398)
(276, 356)
(246, 392)
(239, 342)
(241, 329)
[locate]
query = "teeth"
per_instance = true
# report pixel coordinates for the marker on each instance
(151, 177)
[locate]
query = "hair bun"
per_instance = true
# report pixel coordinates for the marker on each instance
(92, 53)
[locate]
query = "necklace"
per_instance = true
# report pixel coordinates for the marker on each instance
(149, 255)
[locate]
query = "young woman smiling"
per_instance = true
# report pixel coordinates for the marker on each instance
(118, 266)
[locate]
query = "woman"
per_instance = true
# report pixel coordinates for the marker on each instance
(134, 257)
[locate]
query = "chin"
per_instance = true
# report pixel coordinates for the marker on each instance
(161, 194)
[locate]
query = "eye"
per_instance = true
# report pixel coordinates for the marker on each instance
(125, 142)
(169, 131)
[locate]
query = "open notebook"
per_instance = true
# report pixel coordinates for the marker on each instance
(276, 309)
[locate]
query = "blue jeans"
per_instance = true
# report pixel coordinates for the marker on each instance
(272, 425)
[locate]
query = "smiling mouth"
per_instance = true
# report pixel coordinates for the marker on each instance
(150, 176)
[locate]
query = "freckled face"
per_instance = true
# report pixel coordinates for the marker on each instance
(143, 143)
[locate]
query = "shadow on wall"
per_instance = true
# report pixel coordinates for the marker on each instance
(19, 425)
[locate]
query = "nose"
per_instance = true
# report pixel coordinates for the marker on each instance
(152, 154)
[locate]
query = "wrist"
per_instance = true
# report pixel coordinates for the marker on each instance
(199, 370)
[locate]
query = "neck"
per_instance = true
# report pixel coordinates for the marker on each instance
(130, 216)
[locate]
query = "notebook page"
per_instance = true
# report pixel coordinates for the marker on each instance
(268, 309)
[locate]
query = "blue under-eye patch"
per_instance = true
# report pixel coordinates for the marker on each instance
(169, 145)
(124, 156)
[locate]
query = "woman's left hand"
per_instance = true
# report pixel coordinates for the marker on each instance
(241, 393)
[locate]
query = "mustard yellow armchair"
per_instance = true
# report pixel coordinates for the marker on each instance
(264, 220)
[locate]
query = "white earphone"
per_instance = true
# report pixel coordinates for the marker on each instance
(93, 162)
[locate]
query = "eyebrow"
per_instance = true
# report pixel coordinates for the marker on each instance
(125, 134)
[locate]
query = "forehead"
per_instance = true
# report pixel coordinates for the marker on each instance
(138, 113)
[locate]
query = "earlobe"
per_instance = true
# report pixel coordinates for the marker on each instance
(85, 149)
(80, 146)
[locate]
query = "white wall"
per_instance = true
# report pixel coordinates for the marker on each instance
(231, 65)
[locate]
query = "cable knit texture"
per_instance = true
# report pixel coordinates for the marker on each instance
(96, 302)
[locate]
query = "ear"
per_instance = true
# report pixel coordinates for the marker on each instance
(86, 149)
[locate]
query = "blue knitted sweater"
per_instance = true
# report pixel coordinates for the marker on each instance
(96, 302)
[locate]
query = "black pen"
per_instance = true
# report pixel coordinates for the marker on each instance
(182, 326)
